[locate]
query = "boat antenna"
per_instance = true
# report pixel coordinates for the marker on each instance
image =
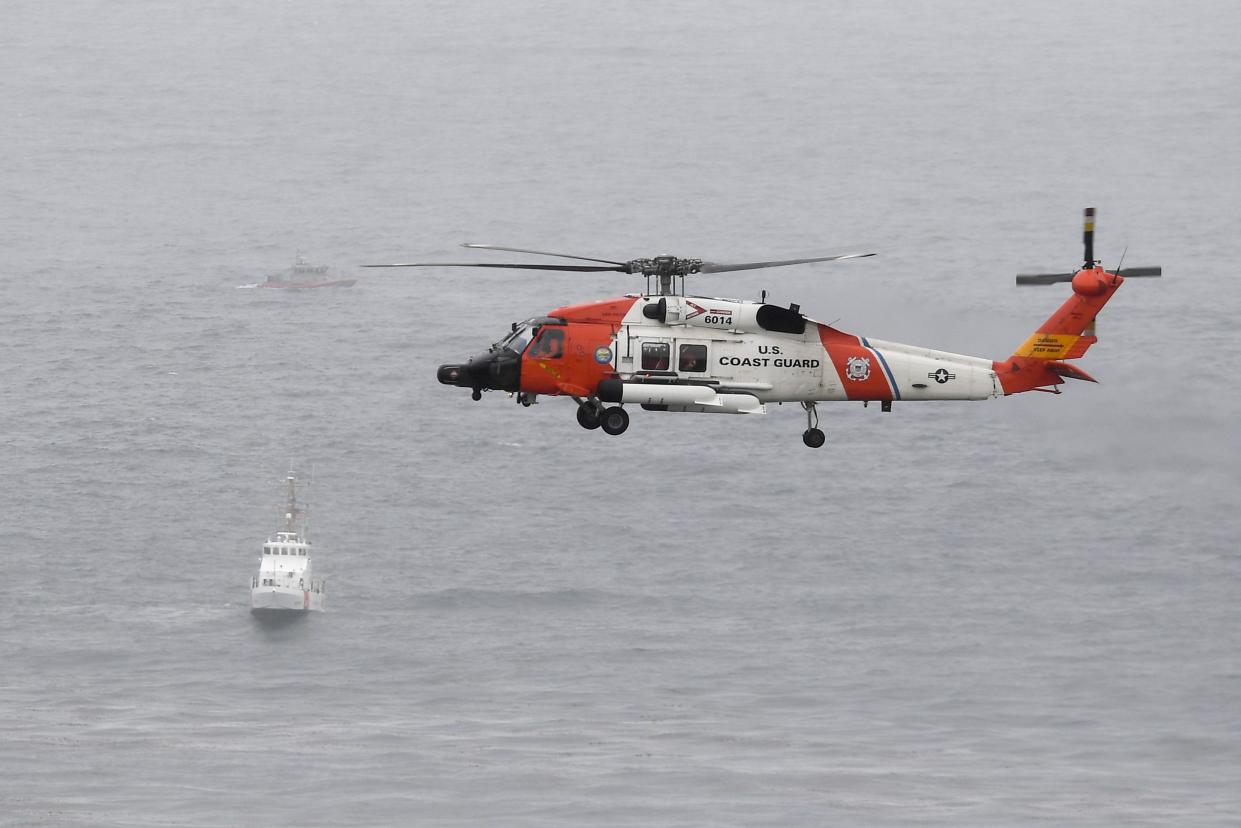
(309, 487)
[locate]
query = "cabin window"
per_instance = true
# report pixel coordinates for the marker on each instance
(303, 553)
(284, 551)
(549, 345)
(655, 356)
(692, 357)
(266, 551)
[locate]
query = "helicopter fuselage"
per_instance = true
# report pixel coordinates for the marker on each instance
(704, 354)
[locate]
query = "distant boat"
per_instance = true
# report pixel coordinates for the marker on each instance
(286, 585)
(302, 276)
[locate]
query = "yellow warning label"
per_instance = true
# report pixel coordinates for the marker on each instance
(1047, 346)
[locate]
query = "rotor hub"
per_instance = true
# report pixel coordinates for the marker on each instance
(665, 266)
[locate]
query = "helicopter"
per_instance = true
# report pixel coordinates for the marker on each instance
(668, 351)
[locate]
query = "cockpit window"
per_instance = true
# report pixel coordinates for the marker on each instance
(517, 339)
(549, 345)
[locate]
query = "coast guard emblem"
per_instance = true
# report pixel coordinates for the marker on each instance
(603, 355)
(857, 368)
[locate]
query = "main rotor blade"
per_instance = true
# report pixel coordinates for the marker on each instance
(712, 267)
(537, 252)
(574, 268)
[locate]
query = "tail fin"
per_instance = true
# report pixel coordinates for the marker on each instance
(1066, 334)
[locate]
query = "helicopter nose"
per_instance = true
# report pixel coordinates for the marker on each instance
(454, 375)
(497, 371)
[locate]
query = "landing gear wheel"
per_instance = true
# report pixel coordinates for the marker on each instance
(812, 436)
(588, 416)
(614, 420)
(477, 395)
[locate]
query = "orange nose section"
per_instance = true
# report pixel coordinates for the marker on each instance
(587, 358)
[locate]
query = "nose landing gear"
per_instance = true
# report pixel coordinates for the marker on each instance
(614, 420)
(587, 415)
(812, 436)
(591, 415)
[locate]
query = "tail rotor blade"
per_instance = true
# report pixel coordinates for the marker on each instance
(1131, 272)
(1053, 278)
(1088, 237)
(1043, 278)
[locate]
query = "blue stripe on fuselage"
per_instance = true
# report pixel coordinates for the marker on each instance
(896, 392)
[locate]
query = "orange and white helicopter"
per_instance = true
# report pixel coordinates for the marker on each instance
(665, 350)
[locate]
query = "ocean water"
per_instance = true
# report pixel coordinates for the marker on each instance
(1015, 612)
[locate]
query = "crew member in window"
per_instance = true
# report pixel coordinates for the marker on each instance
(550, 344)
(691, 358)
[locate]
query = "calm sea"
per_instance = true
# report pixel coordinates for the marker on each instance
(1016, 612)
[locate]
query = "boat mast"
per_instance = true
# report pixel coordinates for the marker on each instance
(291, 511)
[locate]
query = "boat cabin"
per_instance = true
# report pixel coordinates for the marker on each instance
(285, 563)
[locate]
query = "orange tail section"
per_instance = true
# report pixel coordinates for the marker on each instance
(1067, 334)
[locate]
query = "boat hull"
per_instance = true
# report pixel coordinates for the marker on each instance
(308, 285)
(268, 601)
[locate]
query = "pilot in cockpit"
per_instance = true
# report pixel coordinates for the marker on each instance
(550, 344)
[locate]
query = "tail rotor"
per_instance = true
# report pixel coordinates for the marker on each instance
(1089, 261)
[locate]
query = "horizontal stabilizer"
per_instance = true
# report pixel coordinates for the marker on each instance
(1064, 369)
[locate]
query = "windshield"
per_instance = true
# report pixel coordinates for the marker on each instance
(518, 339)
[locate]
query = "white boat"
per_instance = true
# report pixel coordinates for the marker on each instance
(302, 276)
(286, 585)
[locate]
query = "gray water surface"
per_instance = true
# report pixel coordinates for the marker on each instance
(1014, 612)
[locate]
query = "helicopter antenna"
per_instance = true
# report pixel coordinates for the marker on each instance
(1122, 258)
